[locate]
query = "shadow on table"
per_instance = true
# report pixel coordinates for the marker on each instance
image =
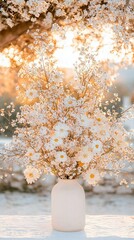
(55, 235)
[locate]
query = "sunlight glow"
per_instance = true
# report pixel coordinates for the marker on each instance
(4, 61)
(65, 53)
(103, 48)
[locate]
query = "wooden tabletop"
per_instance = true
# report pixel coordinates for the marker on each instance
(100, 227)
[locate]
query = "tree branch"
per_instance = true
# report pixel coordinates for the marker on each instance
(10, 34)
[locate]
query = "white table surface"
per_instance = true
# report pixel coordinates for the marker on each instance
(100, 227)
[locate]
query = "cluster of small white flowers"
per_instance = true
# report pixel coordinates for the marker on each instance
(16, 11)
(63, 129)
(119, 13)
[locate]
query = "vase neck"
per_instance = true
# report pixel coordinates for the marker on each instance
(67, 180)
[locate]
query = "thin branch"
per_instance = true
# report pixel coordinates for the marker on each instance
(127, 3)
(126, 110)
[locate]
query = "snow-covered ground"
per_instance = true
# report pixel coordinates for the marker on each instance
(39, 204)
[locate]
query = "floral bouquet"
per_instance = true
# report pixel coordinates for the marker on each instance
(64, 127)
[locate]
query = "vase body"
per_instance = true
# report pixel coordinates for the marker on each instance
(68, 206)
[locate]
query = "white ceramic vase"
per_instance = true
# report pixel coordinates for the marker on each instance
(68, 206)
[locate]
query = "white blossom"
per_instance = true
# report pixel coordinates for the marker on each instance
(32, 154)
(85, 155)
(31, 174)
(70, 101)
(85, 121)
(92, 176)
(97, 146)
(31, 94)
(61, 156)
(61, 129)
(56, 140)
